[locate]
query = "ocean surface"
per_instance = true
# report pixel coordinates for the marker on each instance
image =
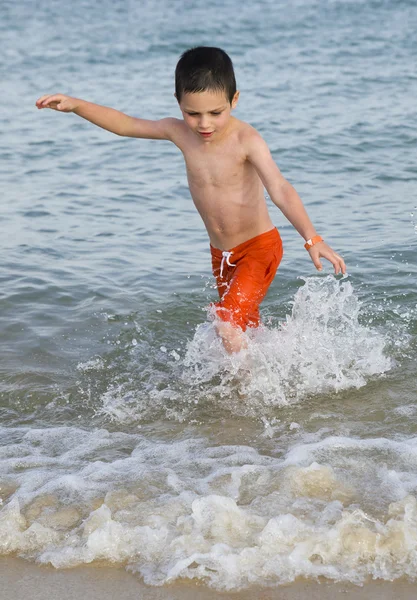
(127, 437)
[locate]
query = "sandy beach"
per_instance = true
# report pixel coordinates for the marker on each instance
(22, 580)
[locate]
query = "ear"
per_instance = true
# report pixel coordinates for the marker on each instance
(235, 99)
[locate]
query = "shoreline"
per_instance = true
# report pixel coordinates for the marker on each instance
(22, 579)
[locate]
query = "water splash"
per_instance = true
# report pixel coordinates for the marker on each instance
(320, 347)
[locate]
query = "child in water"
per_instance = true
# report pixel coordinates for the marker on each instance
(228, 166)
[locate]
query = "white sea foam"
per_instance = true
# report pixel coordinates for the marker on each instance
(227, 515)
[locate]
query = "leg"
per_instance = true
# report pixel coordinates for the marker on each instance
(242, 288)
(232, 337)
(239, 306)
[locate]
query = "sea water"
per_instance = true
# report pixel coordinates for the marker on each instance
(127, 434)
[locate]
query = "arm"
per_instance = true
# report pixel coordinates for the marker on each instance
(109, 118)
(284, 196)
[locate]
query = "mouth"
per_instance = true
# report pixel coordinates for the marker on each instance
(206, 134)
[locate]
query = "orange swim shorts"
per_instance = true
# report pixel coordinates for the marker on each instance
(243, 276)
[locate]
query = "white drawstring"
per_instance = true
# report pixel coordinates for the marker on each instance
(226, 256)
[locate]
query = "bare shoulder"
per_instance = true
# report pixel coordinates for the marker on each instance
(259, 155)
(251, 140)
(172, 128)
(176, 131)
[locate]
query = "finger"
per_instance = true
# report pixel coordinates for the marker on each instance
(41, 101)
(50, 99)
(339, 265)
(317, 263)
(335, 264)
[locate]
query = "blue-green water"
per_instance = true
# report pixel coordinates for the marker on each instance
(125, 434)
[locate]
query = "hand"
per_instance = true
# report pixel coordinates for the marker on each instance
(58, 102)
(323, 250)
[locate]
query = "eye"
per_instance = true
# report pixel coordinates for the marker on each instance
(192, 114)
(216, 113)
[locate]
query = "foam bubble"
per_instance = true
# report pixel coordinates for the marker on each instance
(94, 364)
(228, 516)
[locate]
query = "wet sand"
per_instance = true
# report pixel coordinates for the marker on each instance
(21, 580)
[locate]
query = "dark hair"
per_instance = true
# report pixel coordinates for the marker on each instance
(205, 68)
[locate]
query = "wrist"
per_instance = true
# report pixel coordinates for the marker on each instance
(79, 105)
(316, 239)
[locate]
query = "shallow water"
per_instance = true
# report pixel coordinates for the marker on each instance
(127, 435)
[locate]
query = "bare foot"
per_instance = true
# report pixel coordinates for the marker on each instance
(232, 338)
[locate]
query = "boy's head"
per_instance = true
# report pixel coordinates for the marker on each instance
(205, 69)
(205, 88)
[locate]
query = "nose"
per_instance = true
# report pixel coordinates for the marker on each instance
(204, 122)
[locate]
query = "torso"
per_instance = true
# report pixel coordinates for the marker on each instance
(224, 186)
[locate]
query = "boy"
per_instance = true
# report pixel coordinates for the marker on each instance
(228, 165)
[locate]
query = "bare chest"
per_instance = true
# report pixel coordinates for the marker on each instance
(223, 169)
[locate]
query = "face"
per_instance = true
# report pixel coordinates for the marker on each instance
(207, 113)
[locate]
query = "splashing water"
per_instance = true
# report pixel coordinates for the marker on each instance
(320, 347)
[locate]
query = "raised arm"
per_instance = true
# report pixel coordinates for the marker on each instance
(284, 196)
(110, 119)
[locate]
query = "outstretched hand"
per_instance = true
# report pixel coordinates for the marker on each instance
(57, 102)
(322, 250)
